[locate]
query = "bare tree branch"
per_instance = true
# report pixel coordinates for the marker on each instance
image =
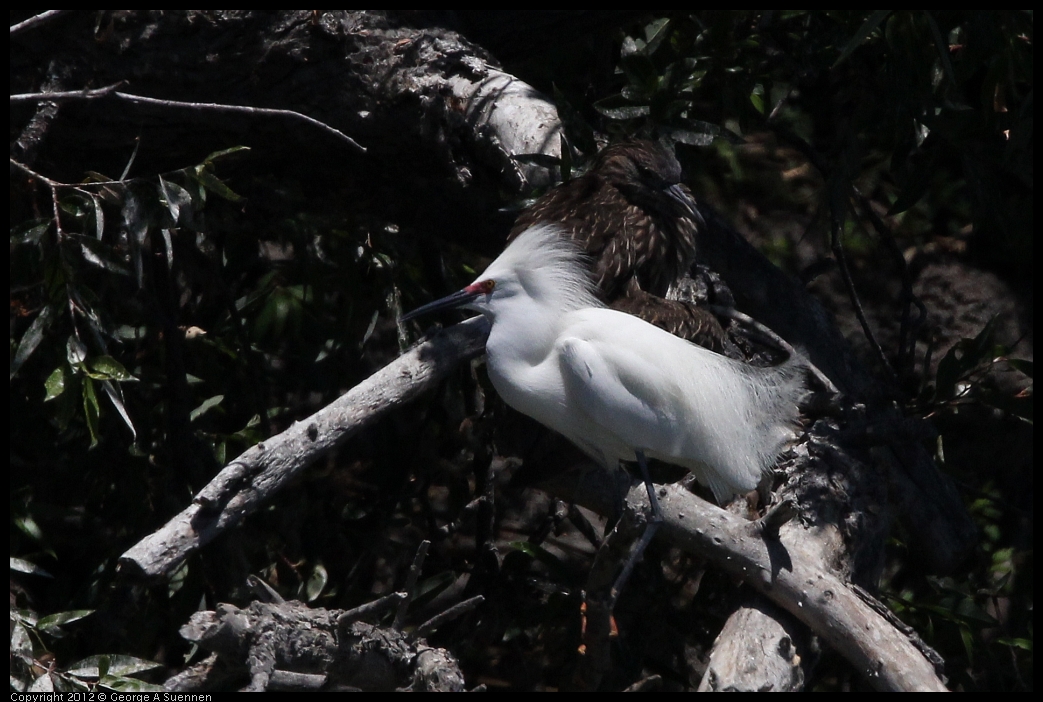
(178, 104)
(35, 21)
(249, 481)
(791, 575)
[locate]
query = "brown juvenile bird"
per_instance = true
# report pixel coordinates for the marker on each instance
(639, 224)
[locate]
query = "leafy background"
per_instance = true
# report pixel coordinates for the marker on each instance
(181, 315)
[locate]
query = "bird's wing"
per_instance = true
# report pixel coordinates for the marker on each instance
(619, 395)
(642, 388)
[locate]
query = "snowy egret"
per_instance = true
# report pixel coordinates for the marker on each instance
(618, 387)
(639, 223)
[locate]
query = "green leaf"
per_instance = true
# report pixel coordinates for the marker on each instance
(225, 152)
(53, 621)
(21, 642)
(135, 217)
(867, 28)
(1023, 644)
(969, 610)
(99, 217)
(655, 32)
(636, 94)
(91, 410)
(700, 133)
(941, 46)
(22, 566)
(316, 583)
(136, 224)
(983, 346)
(168, 246)
(131, 685)
(108, 368)
(43, 684)
(100, 255)
(205, 407)
(26, 616)
(968, 643)
(33, 233)
(566, 158)
(211, 182)
(691, 138)
(624, 112)
(103, 666)
(55, 384)
(117, 665)
(178, 579)
(249, 434)
(115, 394)
(68, 403)
(758, 102)
(641, 72)
(369, 330)
(28, 526)
(73, 205)
(31, 339)
(965, 356)
(629, 47)
(177, 200)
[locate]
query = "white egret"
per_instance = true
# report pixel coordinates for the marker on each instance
(618, 387)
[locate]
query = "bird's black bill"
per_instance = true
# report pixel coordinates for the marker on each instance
(683, 198)
(457, 299)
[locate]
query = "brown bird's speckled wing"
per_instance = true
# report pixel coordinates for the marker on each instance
(682, 319)
(639, 224)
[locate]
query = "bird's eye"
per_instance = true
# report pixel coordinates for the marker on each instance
(481, 287)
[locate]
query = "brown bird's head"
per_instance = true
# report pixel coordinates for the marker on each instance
(647, 174)
(638, 224)
(639, 161)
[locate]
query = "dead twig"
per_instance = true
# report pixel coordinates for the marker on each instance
(181, 105)
(35, 21)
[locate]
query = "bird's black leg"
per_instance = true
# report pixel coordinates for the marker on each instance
(651, 527)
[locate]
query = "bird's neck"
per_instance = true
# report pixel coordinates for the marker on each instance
(523, 333)
(520, 361)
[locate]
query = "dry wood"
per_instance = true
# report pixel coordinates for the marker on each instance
(249, 481)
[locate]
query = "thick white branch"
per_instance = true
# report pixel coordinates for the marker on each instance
(249, 481)
(787, 571)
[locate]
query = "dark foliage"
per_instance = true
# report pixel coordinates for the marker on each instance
(163, 321)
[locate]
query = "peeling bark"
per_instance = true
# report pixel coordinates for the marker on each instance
(291, 647)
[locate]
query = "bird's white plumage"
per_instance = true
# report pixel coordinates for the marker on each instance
(614, 384)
